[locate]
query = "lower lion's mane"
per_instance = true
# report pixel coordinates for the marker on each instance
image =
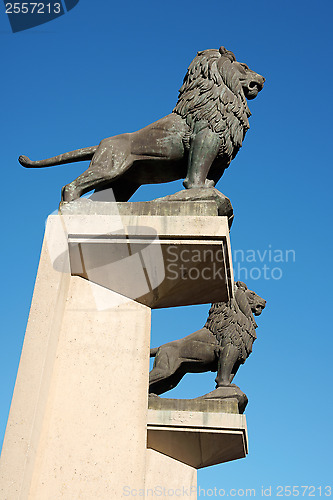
(223, 317)
(211, 92)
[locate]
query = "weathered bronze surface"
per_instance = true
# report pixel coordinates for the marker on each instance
(197, 141)
(222, 345)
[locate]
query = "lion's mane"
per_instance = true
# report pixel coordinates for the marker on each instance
(233, 323)
(212, 93)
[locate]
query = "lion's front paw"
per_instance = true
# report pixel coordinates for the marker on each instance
(222, 384)
(188, 184)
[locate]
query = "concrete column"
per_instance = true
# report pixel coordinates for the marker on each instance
(169, 478)
(77, 425)
(78, 422)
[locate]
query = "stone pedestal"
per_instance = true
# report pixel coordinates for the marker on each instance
(198, 439)
(77, 425)
(78, 422)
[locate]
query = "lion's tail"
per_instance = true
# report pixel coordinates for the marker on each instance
(70, 157)
(153, 352)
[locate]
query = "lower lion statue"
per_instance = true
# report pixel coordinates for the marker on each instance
(222, 345)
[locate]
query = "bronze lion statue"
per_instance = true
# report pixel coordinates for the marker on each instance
(222, 345)
(197, 141)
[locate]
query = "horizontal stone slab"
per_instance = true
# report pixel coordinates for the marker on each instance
(198, 439)
(197, 201)
(159, 261)
(84, 206)
(228, 405)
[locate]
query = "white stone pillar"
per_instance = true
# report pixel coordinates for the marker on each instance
(78, 421)
(77, 424)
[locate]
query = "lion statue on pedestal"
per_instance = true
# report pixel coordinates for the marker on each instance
(222, 345)
(197, 141)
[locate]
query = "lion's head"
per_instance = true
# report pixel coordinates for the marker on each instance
(236, 315)
(214, 91)
(257, 304)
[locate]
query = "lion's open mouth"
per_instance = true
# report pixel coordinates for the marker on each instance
(253, 85)
(252, 89)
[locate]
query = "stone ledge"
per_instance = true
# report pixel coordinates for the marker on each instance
(188, 202)
(84, 206)
(198, 439)
(159, 261)
(229, 405)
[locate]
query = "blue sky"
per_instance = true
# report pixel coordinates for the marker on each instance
(111, 67)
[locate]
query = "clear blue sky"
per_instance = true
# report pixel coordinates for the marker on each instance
(111, 67)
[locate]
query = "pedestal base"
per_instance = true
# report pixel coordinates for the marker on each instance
(78, 422)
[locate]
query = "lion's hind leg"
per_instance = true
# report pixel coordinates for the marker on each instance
(195, 353)
(86, 182)
(166, 372)
(111, 160)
